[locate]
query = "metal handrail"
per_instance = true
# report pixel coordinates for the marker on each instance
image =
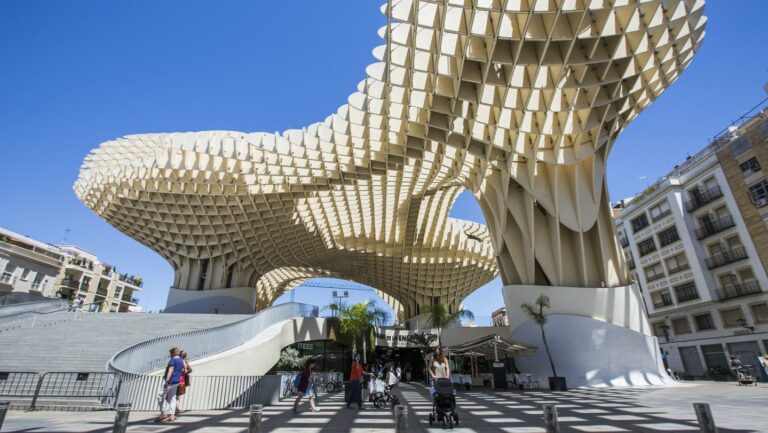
(152, 355)
(29, 307)
(10, 318)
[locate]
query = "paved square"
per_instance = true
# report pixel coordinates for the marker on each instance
(735, 409)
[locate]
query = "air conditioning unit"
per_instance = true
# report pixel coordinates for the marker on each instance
(761, 202)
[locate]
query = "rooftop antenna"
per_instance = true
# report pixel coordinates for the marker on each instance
(66, 235)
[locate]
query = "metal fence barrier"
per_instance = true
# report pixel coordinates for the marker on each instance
(152, 355)
(73, 390)
(101, 390)
(28, 307)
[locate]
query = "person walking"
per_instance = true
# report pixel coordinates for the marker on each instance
(306, 386)
(355, 383)
(173, 373)
(184, 383)
(438, 368)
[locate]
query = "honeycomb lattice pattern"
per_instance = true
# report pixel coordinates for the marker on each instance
(517, 100)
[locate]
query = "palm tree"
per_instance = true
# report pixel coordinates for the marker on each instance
(358, 320)
(537, 314)
(423, 341)
(439, 317)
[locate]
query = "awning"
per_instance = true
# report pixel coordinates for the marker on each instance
(485, 346)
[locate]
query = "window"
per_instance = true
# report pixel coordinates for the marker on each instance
(662, 299)
(668, 236)
(739, 146)
(660, 211)
(750, 166)
(758, 192)
(686, 292)
(759, 313)
(640, 223)
(677, 263)
(704, 322)
(681, 326)
(728, 280)
(24, 275)
(654, 272)
(646, 247)
(658, 329)
(732, 317)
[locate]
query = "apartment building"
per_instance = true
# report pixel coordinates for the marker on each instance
(697, 243)
(64, 271)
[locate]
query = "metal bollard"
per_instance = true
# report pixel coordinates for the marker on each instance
(704, 415)
(121, 418)
(401, 418)
(4, 406)
(550, 419)
(254, 425)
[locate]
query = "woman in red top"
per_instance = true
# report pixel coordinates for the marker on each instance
(356, 387)
(305, 387)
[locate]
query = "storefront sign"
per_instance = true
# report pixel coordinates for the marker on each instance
(403, 338)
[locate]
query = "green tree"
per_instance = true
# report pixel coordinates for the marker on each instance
(290, 358)
(537, 312)
(359, 320)
(423, 341)
(438, 317)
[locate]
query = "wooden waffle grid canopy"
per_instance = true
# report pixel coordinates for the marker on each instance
(518, 101)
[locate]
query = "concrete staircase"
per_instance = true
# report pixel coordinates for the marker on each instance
(86, 344)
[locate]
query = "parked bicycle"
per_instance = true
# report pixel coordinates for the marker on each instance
(334, 383)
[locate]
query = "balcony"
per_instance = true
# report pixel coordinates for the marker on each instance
(631, 264)
(623, 241)
(738, 290)
(131, 279)
(686, 292)
(677, 269)
(711, 227)
(101, 291)
(81, 263)
(701, 198)
(666, 301)
(7, 278)
(655, 277)
(725, 257)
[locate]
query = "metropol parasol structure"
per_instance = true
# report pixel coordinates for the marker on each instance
(517, 101)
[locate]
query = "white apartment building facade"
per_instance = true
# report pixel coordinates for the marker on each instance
(698, 261)
(65, 271)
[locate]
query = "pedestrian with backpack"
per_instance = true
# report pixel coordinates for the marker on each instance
(305, 386)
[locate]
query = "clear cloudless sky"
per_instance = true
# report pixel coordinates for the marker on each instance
(77, 73)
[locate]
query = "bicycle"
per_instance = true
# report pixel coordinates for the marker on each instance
(334, 383)
(288, 390)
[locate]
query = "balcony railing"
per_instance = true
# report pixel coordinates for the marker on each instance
(631, 264)
(686, 292)
(724, 257)
(655, 277)
(712, 227)
(703, 197)
(738, 290)
(40, 287)
(131, 279)
(624, 242)
(677, 269)
(101, 291)
(663, 303)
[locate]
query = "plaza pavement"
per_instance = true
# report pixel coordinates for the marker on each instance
(735, 409)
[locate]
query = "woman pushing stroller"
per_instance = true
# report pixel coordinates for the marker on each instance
(443, 394)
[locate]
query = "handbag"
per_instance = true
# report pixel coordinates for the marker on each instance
(182, 389)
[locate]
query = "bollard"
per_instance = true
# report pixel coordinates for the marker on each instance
(4, 406)
(401, 418)
(121, 418)
(704, 415)
(254, 425)
(550, 418)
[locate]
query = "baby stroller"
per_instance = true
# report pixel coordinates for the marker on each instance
(383, 391)
(745, 375)
(444, 404)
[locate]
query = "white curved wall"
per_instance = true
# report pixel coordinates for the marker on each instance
(598, 336)
(591, 352)
(260, 354)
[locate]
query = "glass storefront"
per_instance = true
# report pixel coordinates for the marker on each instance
(330, 355)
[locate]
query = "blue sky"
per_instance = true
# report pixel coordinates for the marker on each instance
(74, 74)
